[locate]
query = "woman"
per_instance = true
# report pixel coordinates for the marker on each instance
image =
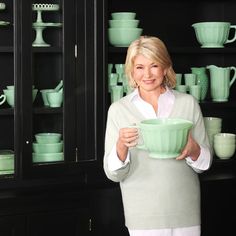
(160, 197)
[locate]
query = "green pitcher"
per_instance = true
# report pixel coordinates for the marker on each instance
(202, 79)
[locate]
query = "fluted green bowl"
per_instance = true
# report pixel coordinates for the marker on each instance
(164, 137)
(48, 157)
(6, 160)
(123, 23)
(212, 34)
(122, 37)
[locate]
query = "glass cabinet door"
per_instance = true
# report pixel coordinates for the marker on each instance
(8, 111)
(47, 83)
(52, 58)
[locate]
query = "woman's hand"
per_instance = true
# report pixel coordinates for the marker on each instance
(127, 138)
(191, 149)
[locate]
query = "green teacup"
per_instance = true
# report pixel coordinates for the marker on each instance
(10, 95)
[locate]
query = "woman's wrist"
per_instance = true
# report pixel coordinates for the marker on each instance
(121, 150)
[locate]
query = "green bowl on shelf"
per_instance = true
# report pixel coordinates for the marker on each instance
(213, 34)
(10, 95)
(6, 160)
(48, 157)
(47, 147)
(123, 15)
(122, 37)
(43, 138)
(123, 23)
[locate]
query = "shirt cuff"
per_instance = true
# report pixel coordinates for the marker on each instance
(114, 163)
(203, 162)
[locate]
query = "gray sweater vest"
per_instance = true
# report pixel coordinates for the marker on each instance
(156, 193)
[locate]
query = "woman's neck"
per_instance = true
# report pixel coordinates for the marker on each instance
(151, 97)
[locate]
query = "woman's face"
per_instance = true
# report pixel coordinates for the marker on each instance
(147, 74)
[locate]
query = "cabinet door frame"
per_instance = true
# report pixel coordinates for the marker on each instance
(27, 169)
(91, 64)
(84, 67)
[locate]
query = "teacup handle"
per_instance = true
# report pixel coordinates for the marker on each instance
(4, 98)
(139, 146)
(234, 38)
(234, 77)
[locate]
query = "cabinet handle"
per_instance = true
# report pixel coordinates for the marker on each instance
(90, 225)
(76, 52)
(76, 154)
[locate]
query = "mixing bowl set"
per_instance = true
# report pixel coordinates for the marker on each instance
(123, 29)
(48, 147)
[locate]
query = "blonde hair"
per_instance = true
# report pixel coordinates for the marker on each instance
(155, 50)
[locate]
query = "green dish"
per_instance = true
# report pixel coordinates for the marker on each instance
(6, 160)
(164, 138)
(47, 147)
(48, 157)
(48, 138)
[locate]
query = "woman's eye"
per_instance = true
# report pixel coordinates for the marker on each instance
(139, 67)
(155, 65)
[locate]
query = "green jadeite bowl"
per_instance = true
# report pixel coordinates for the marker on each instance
(123, 23)
(122, 37)
(166, 137)
(10, 95)
(6, 160)
(43, 138)
(123, 15)
(48, 157)
(47, 147)
(211, 34)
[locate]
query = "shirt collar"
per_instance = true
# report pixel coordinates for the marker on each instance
(165, 101)
(168, 94)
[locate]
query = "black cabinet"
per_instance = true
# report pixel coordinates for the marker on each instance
(45, 212)
(60, 222)
(12, 225)
(78, 54)
(43, 44)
